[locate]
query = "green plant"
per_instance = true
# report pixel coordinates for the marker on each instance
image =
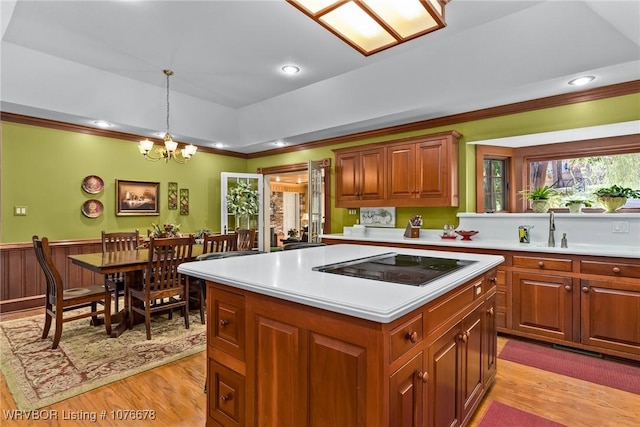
(201, 233)
(165, 230)
(617, 191)
(539, 193)
(577, 201)
(242, 200)
(292, 232)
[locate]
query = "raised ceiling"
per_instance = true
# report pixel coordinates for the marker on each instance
(80, 61)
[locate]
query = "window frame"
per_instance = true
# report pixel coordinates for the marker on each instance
(519, 159)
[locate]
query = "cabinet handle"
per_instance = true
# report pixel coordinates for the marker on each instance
(567, 288)
(541, 264)
(493, 279)
(412, 336)
(490, 311)
(422, 376)
(226, 397)
(616, 270)
(585, 289)
(463, 337)
(223, 323)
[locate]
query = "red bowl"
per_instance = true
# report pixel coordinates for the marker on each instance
(466, 234)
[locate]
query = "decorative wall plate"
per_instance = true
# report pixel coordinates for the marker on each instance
(92, 208)
(92, 184)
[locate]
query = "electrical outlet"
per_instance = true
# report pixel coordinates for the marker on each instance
(620, 227)
(20, 210)
(351, 211)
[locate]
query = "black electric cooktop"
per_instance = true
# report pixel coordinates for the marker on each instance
(397, 268)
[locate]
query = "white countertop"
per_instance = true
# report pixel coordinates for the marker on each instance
(288, 275)
(432, 238)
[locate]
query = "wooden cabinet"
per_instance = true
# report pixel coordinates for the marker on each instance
(280, 364)
(423, 172)
(419, 171)
(360, 177)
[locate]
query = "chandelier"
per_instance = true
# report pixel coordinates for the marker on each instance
(370, 26)
(170, 149)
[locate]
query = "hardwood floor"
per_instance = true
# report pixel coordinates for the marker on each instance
(175, 392)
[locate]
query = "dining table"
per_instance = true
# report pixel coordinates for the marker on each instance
(132, 264)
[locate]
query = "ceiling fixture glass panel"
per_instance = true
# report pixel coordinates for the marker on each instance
(374, 25)
(170, 149)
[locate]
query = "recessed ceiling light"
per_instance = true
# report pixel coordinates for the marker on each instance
(581, 80)
(218, 145)
(279, 144)
(290, 69)
(102, 124)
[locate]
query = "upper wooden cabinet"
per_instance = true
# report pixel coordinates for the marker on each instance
(423, 171)
(360, 177)
(418, 171)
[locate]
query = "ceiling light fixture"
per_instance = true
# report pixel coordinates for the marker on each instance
(279, 144)
(102, 123)
(580, 81)
(374, 25)
(290, 69)
(170, 149)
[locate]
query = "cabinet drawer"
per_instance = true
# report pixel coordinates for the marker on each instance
(226, 321)
(445, 308)
(406, 336)
(226, 395)
(615, 269)
(555, 264)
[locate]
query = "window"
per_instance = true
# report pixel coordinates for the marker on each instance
(581, 176)
(495, 185)
(578, 167)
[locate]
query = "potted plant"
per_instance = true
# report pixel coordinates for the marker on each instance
(540, 198)
(575, 204)
(614, 197)
(164, 230)
(199, 236)
(242, 201)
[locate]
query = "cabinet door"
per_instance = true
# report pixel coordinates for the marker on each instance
(490, 349)
(372, 174)
(401, 172)
(444, 380)
(610, 311)
(542, 305)
(471, 361)
(347, 176)
(437, 172)
(407, 398)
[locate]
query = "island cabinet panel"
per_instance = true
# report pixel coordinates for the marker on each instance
(303, 366)
(360, 177)
(490, 347)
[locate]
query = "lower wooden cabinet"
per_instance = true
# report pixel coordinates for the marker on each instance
(280, 364)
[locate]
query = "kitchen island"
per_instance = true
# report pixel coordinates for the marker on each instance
(291, 346)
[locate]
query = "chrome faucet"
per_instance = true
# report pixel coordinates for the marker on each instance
(552, 227)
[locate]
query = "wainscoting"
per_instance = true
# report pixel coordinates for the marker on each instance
(22, 283)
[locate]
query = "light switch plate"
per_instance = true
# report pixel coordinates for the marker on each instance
(620, 227)
(20, 210)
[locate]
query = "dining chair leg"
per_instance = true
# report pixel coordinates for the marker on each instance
(147, 320)
(107, 313)
(58, 333)
(47, 322)
(94, 318)
(202, 304)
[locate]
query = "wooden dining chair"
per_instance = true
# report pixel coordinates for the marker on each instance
(59, 300)
(164, 288)
(246, 239)
(114, 245)
(219, 243)
(213, 243)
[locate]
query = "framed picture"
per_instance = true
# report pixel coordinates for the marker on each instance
(173, 195)
(378, 217)
(137, 198)
(184, 201)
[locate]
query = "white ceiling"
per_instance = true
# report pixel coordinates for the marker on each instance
(79, 61)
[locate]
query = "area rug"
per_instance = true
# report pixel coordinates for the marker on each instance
(608, 373)
(86, 357)
(501, 415)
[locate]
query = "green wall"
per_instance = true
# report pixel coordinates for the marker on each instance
(43, 170)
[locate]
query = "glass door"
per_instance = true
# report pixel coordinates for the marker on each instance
(242, 204)
(315, 207)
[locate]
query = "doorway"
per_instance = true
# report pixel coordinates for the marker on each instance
(287, 193)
